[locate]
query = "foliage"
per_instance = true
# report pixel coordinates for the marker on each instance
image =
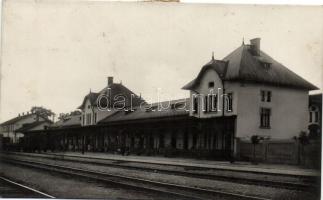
(255, 139)
(303, 138)
(63, 116)
(41, 111)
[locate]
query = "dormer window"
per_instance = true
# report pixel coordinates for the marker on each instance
(266, 65)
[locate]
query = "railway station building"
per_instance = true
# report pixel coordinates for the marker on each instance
(246, 93)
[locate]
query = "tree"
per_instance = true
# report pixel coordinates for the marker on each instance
(63, 116)
(303, 140)
(42, 112)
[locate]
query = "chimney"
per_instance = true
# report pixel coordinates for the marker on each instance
(255, 46)
(110, 80)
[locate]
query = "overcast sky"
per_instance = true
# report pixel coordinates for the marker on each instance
(53, 52)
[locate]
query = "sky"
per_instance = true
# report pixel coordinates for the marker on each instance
(55, 52)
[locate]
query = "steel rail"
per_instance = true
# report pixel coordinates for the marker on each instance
(246, 180)
(26, 187)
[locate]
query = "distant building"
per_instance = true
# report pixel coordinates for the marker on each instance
(13, 129)
(315, 116)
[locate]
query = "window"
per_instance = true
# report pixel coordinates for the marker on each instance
(265, 96)
(88, 119)
(206, 103)
(211, 84)
(195, 104)
(95, 116)
(83, 117)
(316, 116)
(88, 106)
(214, 103)
(266, 65)
(265, 117)
(229, 102)
(268, 96)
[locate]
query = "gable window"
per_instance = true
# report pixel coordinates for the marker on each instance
(265, 117)
(88, 106)
(229, 102)
(206, 104)
(211, 84)
(195, 104)
(265, 95)
(214, 103)
(88, 119)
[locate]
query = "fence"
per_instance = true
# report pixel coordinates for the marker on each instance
(282, 152)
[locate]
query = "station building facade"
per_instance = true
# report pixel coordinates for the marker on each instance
(246, 93)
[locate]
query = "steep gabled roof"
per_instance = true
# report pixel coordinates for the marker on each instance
(243, 65)
(92, 96)
(115, 90)
(218, 65)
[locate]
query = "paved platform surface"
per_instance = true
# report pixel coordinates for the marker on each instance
(208, 164)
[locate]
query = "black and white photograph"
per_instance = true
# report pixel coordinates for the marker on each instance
(160, 100)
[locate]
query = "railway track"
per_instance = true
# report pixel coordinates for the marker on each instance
(308, 184)
(137, 183)
(12, 189)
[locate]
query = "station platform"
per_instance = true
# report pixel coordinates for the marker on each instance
(274, 169)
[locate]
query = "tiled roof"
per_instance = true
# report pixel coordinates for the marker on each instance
(29, 126)
(16, 119)
(168, 109)
(71, 121)
(242, 65)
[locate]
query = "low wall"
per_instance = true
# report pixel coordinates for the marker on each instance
(282, 152)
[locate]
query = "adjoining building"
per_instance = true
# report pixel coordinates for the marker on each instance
(13, 129)
(246, 93)
(315, 116)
